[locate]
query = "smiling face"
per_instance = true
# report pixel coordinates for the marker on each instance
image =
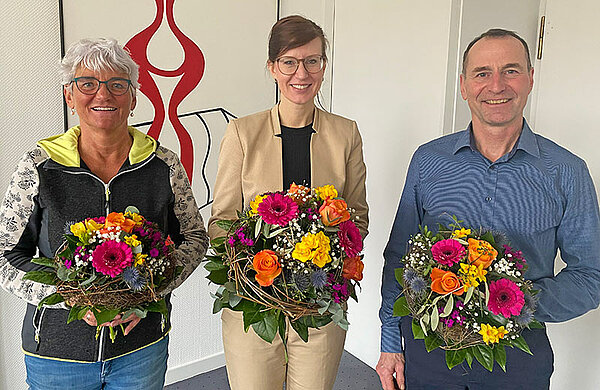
(102, 111)
(496, 82)
(301, 87)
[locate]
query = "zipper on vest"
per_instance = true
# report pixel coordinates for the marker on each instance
(101, 344)
(37, 328)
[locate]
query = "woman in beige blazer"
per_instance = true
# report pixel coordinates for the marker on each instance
(293, 142)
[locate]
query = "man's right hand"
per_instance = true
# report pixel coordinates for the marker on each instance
(388, 365)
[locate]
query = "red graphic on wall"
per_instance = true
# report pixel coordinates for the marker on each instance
(191, 71)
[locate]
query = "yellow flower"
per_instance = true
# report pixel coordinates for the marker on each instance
(92, 225)
(461, 233)
(324, 243)
(491, 334)
(78, 229)
(302, 252)
(254, 204)
(472, 274)
(311, 241)
(321, 258)
(138, 219)
(140, 258)
(327, 191)
(132, 241)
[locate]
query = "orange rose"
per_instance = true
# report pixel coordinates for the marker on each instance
(444, 282)
(267, 267)
(481, 252)
(118, 219)
(353, 268)
(334, 212)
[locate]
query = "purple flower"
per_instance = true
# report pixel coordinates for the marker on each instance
(448, 252)
(154, 252)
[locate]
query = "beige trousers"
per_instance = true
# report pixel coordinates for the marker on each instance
(254, 364)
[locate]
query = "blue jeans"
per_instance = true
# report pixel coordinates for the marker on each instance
(141, 370)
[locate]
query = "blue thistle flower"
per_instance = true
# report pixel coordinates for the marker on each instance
(418, 285)
(302, 281)
(530, 302)
(319, 278)
(134, 279)
(525, 317)
(409, 276)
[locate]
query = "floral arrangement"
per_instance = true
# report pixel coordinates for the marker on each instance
(110, 265)
(293, 254)
(466, 294)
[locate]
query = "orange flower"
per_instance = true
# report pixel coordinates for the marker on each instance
(297, 192)
(118, 219)
(444, 282)
(481, 252)
(267, 267)
(334, 212)
(353, 268)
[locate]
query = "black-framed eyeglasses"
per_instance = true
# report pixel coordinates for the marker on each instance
(90, 85)
(289, 65)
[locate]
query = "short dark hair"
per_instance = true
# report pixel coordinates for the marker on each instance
(292, 32)
(496, 33)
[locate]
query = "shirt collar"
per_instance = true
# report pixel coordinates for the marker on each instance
(526, 142)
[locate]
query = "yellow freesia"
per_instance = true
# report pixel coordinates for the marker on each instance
(327, 191)
(140, 258)
(491, 334)
(132, 241)
(302, 252)
(255, 203)
(138, 219)
(472, 274)
(92, 225)
(461, 233)
(78, 229)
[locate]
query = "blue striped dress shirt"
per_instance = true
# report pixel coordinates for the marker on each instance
(539, 195)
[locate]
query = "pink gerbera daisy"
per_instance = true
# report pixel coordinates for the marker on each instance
(506, 298)
(111, 257)
(350, 238)
(277, 209)
(448, 252)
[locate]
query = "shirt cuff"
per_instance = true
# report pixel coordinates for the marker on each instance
(391, 338)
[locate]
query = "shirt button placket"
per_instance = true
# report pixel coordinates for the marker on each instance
(491, 181)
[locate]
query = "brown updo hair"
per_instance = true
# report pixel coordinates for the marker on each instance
(292, 32)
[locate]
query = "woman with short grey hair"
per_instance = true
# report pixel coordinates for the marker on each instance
(100, 166)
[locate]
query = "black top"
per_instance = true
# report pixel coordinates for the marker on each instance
(295, 143)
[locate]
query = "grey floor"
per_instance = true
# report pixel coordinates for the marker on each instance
(353, 374)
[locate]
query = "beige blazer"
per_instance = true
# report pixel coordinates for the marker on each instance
(250, 163)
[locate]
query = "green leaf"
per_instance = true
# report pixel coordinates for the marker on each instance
(282, 328)
(158, 307)
(252, 317)
(214, 266)
(536, 325)
(234, 299)
(399, 273)
(230, 286)
(217, 306)
(267, 328)
(45, 277)
(225, 224)
(424, 321)
(51, 299)
(275, 232)
(301, 328)
(89, 280)
(448, 307)
(454, 358)
(520, 343)
(401, 307)
(432, 341)
(484, 355)
(469, 294)
(257, 228)
(469, 356)
(218, 241)
(489, 237)
(132, 209)
(105, 315)
(417, 331)
(435, 318)
(218, 276)
(77, 313)
(45, 261)
(500, 356)
(141, 313)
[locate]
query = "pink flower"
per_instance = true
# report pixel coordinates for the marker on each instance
(350, 238)
(448, 252)
(277, 209)
(111, 257)
(505, 298)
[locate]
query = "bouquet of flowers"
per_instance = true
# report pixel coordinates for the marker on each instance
(292, 254)
(466, 294)
(110, 265)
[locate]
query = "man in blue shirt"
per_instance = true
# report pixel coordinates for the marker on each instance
(499, 175)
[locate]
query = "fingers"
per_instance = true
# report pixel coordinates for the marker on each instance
(388, 365)
(132, 324)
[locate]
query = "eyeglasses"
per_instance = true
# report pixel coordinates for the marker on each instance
(90, 85)
(289, 65)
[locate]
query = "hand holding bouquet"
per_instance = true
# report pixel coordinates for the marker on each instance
(466, 294)
(293, 254)
(113, 265)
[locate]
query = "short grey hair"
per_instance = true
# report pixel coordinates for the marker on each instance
(496, 33)
(97, 55)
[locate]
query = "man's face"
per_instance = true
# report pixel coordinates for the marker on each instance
(496, 82)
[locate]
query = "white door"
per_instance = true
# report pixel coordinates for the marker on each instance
(565, 109)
